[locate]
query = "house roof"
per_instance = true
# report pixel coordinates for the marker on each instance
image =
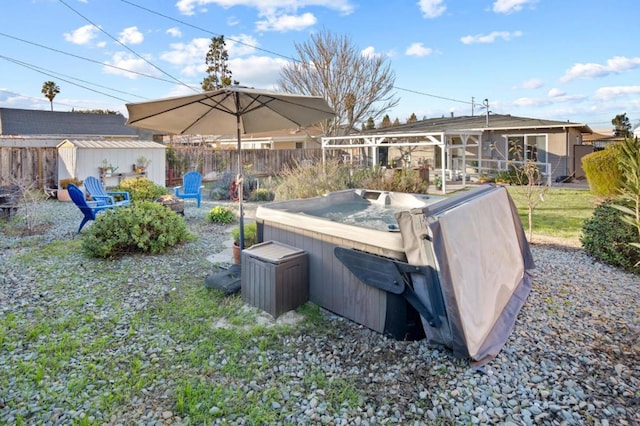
(598, 137)
(479, 123)
(42, 122)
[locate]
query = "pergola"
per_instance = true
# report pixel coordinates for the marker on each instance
(447, 141)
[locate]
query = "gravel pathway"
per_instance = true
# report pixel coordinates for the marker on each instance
(573, 358)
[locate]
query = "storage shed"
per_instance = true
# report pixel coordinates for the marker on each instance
(82, 158)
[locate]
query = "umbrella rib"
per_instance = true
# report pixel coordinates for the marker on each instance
(217, 105)
(264, 104)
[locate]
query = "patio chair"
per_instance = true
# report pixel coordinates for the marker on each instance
(90, 209)
(191, 186)
(97, 192)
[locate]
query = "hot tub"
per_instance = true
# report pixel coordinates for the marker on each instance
(358, 219)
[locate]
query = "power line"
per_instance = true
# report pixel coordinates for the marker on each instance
(127, 47)
(57, 75)
(171, 18)
(85, 58)
(36, 99)
(146, 9)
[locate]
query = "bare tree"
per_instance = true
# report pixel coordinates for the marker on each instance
(50, 89)
(357, 87)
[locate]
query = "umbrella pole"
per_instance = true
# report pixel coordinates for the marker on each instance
(239, 179)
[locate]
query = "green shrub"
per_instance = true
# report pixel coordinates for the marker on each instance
(141, 189)
(142, 227)
(602, 172)
(250, 234)
(220, 214)
(606, 237)
(261, 194)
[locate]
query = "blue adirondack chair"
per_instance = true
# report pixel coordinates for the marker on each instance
(90, 209)
(97, 192)
(191, 186)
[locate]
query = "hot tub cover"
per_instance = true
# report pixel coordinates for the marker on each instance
(476, 244)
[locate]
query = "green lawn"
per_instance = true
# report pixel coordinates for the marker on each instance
(561, 214)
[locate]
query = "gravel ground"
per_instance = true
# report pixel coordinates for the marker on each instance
(573, 358)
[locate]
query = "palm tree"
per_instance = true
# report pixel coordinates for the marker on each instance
(50, 90)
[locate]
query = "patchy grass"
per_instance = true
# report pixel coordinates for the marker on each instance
(561, 214)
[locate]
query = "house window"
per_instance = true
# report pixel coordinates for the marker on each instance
(298, 145)
(527, 147)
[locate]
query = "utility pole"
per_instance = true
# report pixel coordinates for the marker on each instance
(473, 104)
(485, 105)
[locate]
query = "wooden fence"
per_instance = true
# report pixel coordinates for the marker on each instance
(29, 166)
(39, 166)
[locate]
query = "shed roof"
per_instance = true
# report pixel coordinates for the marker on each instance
(41, 122)
(111, 144)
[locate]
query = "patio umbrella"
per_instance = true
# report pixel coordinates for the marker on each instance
(223, 111)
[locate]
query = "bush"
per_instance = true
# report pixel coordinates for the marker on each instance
(261, 194)
(306, 181)
(143, 227)
(314, 180)
(250, 234)
(220, 214)
(606, 237)
(141, 189)
(602, 171)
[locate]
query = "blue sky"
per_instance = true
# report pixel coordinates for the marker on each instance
(575, 60)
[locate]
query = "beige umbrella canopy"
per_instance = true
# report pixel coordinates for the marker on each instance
(234, 108)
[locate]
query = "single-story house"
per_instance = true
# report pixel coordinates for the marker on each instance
(469, 146)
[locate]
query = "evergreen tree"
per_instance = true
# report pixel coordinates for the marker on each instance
(386, 122)
(218, 72)
(621, 125)
(370, 124)
(412, 118)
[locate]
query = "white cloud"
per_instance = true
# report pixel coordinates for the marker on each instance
(608, 93)
(369, 52)
(82, 35)
(174, 32)
(533, 83)
(418, 49)
(284, 23)
(551, 99)
(615, 65)
(555, 93)
(130, 62)
(265, 7)
(491, 37)
(510, 6)
(431, 8)
(191, 56)
(131, 35)
(257, 71)
(241, 45)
